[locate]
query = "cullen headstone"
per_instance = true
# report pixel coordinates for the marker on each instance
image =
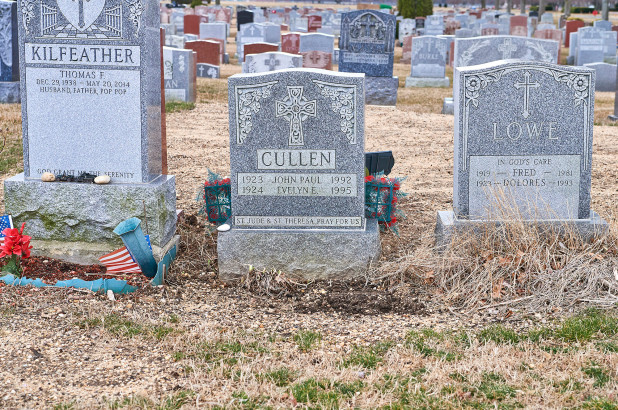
(91, 103)
(523, 143)
(297, 176)
(9, 53)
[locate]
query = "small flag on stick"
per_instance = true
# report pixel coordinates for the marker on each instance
(5, 222)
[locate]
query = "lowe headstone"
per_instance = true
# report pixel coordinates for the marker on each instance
(523, 146)
(297, 176)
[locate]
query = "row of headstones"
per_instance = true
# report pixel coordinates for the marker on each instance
(475, 23)
(296, 150)
(522, 151)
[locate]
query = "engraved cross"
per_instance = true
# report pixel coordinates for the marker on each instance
(295, 108)
(81, 13)
(272, 63)
(367, 25)
(507, 48)
(527, 85)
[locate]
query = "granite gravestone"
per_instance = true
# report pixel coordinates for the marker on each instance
(206, 51)
(179, 73)
(91, 102)
(590, 46)
(428, 62)
(490, 29)
(605, 76)
(265, 62)
(614, 117)
(9, 56)
(480, 50)
(434, 26)
(603, 25)
(406, 56)
(257, 48)
(367, 46)
(297, 176)
(518, 26)
(290, 43)
(208, 70)
(314, 23)
(317, 59)
(523, 146)
(248, 34)
(317, 42)
(571, 26)
(407, 27)
(243, 17)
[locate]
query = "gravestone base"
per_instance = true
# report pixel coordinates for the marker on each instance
(86, 214)
(427, 82)
(87, 253)
(301, 254)
(570, 60)
(9, 92)
(448, 225)
(448, 106)
(613, 117)
(381, 90)
(226, 58)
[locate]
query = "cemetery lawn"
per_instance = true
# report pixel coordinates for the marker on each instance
(425, 331)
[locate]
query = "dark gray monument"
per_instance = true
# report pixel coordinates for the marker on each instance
(367, 45)
(91, 103)
(297, 174)
(9, 57)
(523, 147)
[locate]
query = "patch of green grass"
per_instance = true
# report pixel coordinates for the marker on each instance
(607, 347)
(122, 327)
(596, 403)
(325, 393)
(173, 318)
(420, 341)
(458, 377)
(599, 374)
(172, 402)
(499, 335)
(11, 155)
(242, 400)
(587, 325)
(367, 357)
(307, 339)
(64, 406)
(177, 106)
(229, 352)
(568, 385)
(279, 377)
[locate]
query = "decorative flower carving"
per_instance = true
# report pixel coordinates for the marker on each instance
(342, 102)
(27, 11)
(249, 104)
(136, 8)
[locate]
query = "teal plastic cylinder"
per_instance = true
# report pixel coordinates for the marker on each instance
(133, 238)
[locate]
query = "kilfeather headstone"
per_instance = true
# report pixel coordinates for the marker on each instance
(91, 103)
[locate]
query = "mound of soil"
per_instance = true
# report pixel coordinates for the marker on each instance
(51, 270)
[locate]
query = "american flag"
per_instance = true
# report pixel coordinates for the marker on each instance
(121, 260)
(5, 222)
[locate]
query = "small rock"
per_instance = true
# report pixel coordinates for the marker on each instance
(224, 228)
(102, 179)
(361, 375)
(110, 295)
(48, 177)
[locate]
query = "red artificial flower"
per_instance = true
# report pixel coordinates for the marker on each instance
(15, 243)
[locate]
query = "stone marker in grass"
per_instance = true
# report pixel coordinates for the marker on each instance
(523, 147)
(297, 175)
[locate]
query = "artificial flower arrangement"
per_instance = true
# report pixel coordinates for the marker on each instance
(216, 196)
(16, 246)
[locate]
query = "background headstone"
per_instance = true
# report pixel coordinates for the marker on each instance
(480, 50)
(179, 74)
(265, 62)
(9, 53)
(428, 62)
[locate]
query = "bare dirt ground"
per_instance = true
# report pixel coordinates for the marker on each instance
(401, 343)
